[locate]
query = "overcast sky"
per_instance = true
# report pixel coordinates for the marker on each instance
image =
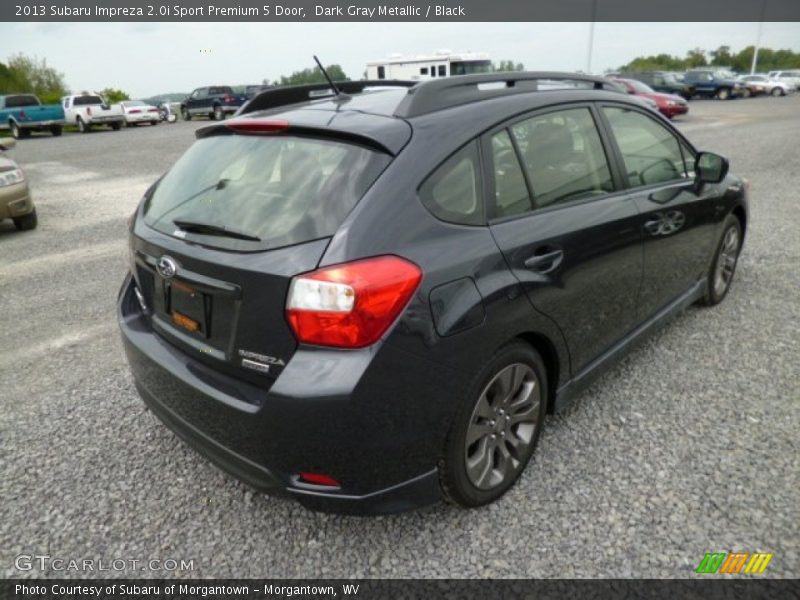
(151, 58)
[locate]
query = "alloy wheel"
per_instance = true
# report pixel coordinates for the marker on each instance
(502, 427)
(726, 263)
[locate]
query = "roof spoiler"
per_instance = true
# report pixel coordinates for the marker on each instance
(295, 94)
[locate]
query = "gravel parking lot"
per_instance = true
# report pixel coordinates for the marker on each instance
(688, 446)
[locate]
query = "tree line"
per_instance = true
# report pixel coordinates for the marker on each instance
(768, 60)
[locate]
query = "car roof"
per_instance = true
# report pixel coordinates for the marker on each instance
(384, 115)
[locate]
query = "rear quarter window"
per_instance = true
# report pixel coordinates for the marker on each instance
(452, 192)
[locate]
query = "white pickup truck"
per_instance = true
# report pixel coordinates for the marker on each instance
(86, 110)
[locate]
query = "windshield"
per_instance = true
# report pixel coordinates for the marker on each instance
(640, 87)
(470, 67)
(275, 190)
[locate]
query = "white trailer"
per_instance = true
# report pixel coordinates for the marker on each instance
(442, 63)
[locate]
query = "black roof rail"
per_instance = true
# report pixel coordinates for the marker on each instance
(447, 92)
(295, 94)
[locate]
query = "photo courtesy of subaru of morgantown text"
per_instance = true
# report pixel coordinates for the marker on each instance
(370, 295)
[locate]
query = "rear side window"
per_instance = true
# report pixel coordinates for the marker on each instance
(87, 100)
(16, 101)
(276, 190)
(452, 192)
(563, 156)
(652, 154)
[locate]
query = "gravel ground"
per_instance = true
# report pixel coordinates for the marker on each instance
(688, 446)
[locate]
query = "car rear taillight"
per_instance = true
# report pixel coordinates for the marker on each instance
(353, 304)
(134, 111)
(318, 479)
(228, 98)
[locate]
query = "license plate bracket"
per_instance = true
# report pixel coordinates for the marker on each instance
(189, 308)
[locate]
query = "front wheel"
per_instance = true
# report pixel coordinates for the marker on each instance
(723, 267)
(18, 132)
(777, 92)
(82, 126)
(496, 430)
(746, 93)
(27, 222)
(187, 116)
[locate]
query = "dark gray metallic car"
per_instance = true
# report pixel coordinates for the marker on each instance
(371, 301)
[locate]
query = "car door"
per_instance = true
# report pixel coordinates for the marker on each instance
(194, 101)
(566, 232)
(676, 216)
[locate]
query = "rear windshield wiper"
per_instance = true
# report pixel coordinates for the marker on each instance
(209, 229)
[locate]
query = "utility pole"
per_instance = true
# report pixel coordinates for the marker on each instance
(591, 38)
(758, 37)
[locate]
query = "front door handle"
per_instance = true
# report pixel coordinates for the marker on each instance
(546, 262)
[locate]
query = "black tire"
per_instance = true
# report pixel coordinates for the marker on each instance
(777, 92)
(56, 130)
(27, 222)
(218, 114)
(116, 125)
(723, 93)
(482, 414)
(18, 132)
(83, 127)
(154, 123)
(186, 115)
(723, 267)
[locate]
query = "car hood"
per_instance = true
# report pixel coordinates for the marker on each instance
(6, 164)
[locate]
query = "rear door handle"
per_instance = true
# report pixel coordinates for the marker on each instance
(544, 263)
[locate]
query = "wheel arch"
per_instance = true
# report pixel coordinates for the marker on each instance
(741, 214)
(547, 350)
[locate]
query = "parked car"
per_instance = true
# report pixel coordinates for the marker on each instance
(15, 197)
(791, 77)
(374, 304)
(662, 81)
(23, 113)
(761, 84)
(714, 84)
(87, 110)
(215, 102)
(138, 111)
(669, 105)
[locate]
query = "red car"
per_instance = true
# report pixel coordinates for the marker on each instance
(668, 105)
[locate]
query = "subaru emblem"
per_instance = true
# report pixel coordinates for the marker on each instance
(166, 267)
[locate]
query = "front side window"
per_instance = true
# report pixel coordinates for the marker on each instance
(563, 156)
(651, 153)
(452, 192)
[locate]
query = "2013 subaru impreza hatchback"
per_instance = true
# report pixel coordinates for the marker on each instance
(370, 300)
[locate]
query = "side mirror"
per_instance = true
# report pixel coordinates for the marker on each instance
(710, 167)
(7, 143)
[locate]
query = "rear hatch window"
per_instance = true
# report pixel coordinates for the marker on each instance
(251, 193)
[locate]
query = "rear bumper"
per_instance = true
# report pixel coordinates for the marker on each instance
(142, 118)
(41, 124)
(384, 457)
